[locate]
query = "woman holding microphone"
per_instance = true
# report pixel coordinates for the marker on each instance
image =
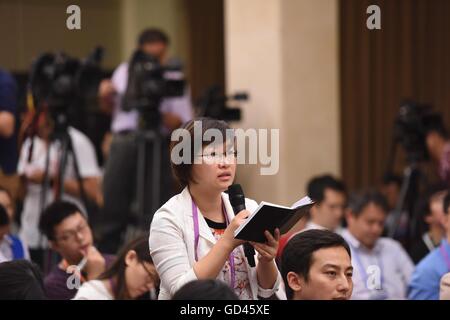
(192, 235)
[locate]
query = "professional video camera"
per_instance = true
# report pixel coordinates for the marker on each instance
(213, 104)
(411, 126)
(148, 83)
(65, 85)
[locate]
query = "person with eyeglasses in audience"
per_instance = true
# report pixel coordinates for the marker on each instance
(382, 267)
(192, 235)
(131, 276)
(70, 235)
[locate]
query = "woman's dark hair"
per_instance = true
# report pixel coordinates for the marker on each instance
(21, 280)
(152, 35)
(205, 290)
(183, 171)
(54, 214)
(117, 270)
(297, 256)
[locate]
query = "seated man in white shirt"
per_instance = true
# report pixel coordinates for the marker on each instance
(11, 246)
(330, 197)
(32, 172)
(316, 265)
(382, 267)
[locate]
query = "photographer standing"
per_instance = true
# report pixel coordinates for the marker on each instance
(119, 183)
(32, 171)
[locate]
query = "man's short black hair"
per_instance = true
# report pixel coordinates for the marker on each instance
(54, 214)
(389, 178)
(359, 201)
(298, 254)
(152, 35)
(210, 289)
(21, 280)
(4, 217)
(318, 185)
(447, 203)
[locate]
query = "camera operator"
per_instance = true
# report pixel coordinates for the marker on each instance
(33, 173)
(438, 146)
(119, 183)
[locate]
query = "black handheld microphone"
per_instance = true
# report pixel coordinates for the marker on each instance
(237, 200)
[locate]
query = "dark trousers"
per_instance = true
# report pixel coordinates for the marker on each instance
(120, 187)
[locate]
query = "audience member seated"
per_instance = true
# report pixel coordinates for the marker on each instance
(428, 273)
(396, 226)
(205, 290)
(11, 247)
(430, 214)
(328, 212)
(382, 267)
(316, 265)
(70, 235)
(131, 276)
(330, 197)
(21, 280)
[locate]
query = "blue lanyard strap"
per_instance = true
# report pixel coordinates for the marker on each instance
(197, 236)
(361, 268)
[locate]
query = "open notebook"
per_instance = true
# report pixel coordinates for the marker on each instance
(269, 216)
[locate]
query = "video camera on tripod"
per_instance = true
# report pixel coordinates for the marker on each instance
(65, 86)
(148, 83)
(411, 126)
(213, 104)
(60, 86)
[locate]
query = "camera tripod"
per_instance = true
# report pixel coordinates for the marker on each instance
(61, 135)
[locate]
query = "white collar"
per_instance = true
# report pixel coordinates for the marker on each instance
(356, 244)
(204, 229)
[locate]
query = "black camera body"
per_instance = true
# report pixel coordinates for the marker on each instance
(65, 85)
(413, 123)
(148, 83)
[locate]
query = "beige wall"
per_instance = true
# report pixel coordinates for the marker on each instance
(285, 53)
(169, 15)
(29, 28)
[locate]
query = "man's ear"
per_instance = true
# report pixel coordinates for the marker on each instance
(294, 282)
(349, 217)
(53, 245)
(427, 219)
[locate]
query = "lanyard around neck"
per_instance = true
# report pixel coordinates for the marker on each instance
(444, 255)
(361, 267)
(197, 236)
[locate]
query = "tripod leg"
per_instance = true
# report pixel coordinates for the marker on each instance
(141, 177)
(156, 182)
